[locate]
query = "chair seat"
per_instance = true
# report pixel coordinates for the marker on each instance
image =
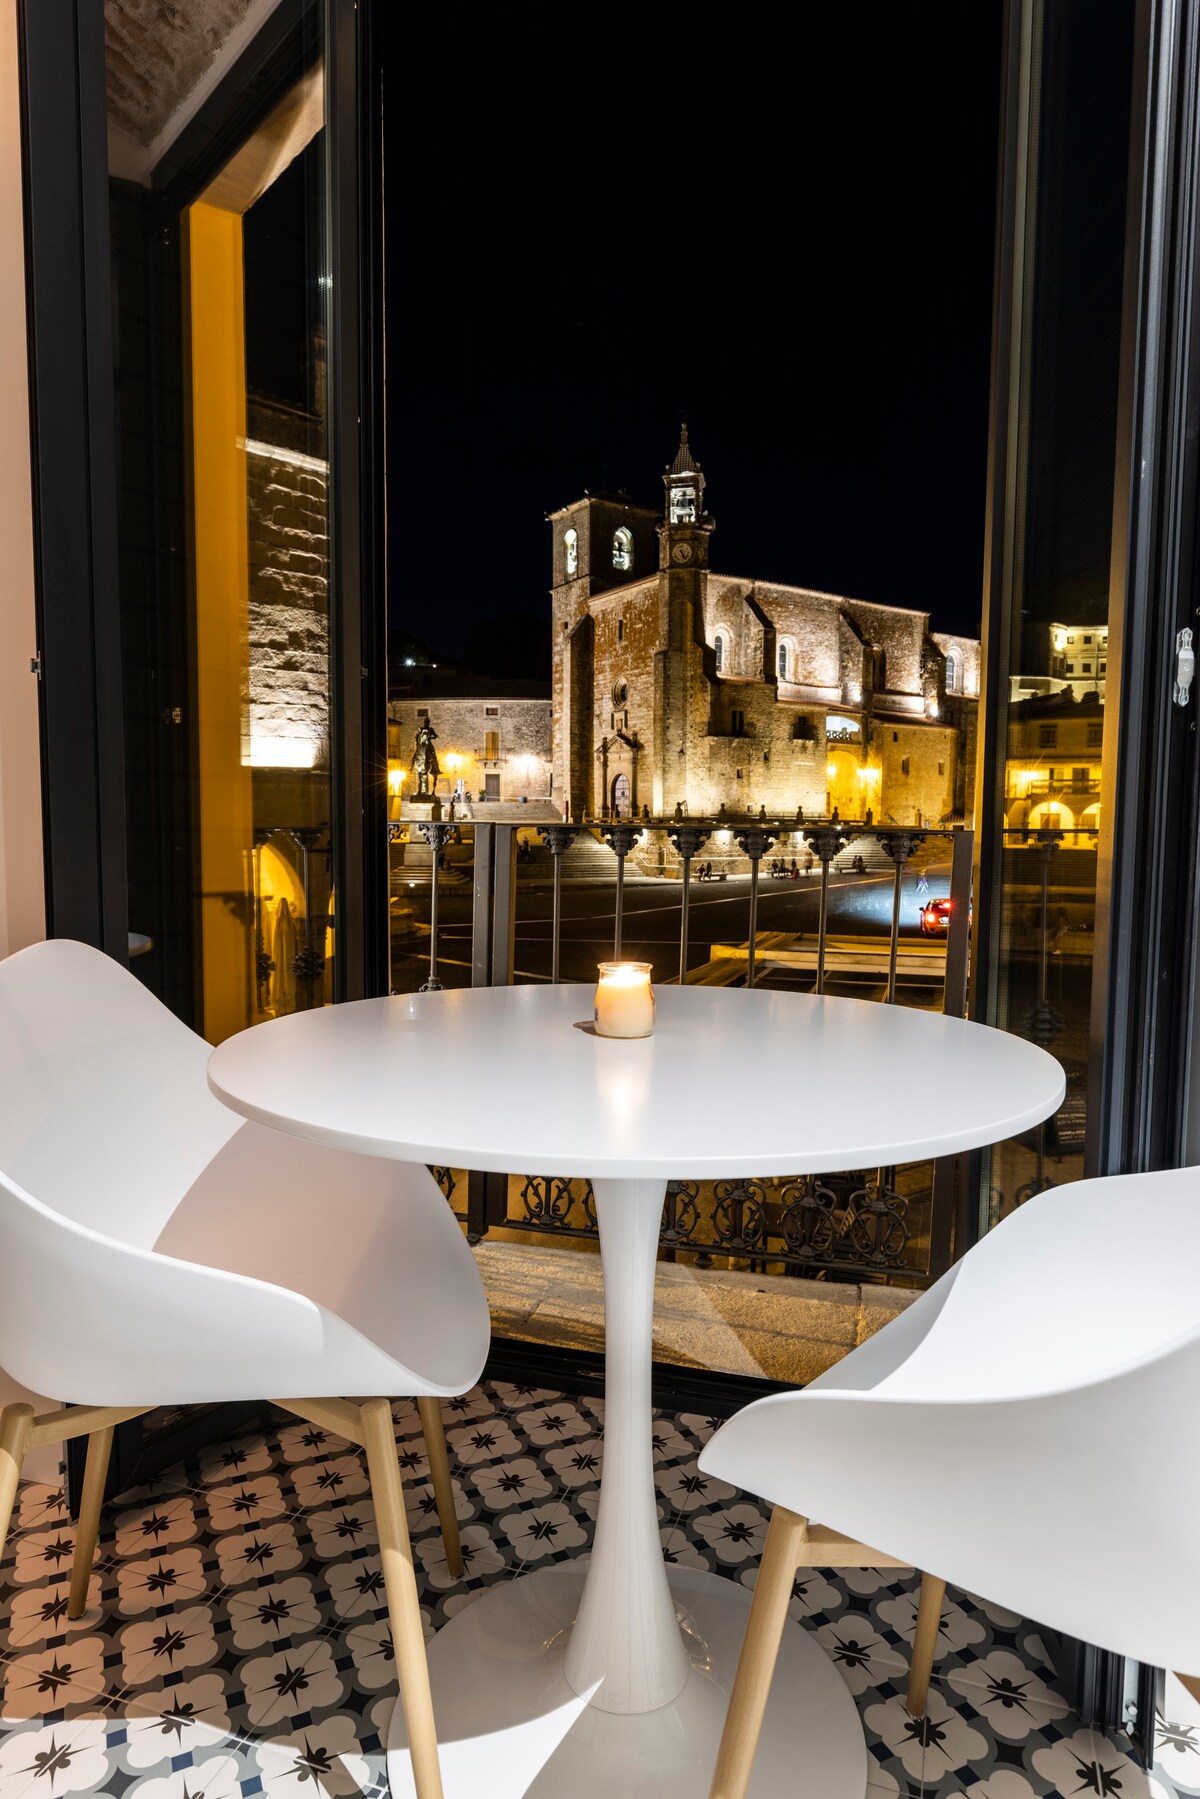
(372, 1241)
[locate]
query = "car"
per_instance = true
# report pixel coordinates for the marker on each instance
(935, 918)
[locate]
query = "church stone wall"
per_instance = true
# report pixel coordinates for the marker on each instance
(288, 608)
(966, 653)
(919, 766)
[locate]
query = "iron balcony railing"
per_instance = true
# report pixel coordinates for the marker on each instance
(878, 1222)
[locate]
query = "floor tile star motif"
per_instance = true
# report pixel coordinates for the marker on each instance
(577, 1464)
(735, 1533)
(176, 1722)
(169, 1644)
(1005, 1692)
(159, 1525)
(501, 1485)
(46, 1682)
(294, 1683)
(56, 1758)
(157, 1580)
(326, 1759)
(543, 1531)
(1086, 1763)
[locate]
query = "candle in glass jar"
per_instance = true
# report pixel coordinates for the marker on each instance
(624, 1000)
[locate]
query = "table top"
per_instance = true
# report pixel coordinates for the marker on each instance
(733, 1082)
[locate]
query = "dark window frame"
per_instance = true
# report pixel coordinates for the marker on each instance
(68, 255)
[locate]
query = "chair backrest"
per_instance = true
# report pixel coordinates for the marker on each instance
(106, 1121)
(105, 1112)
(1058, 1295)
(1026, 1414)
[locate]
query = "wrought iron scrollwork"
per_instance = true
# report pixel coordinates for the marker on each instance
(808, 1220)
(681, 1215)
(445, 1180)
(739, 1218)
(840, 1222)
(550, 1203)
(876, 1225)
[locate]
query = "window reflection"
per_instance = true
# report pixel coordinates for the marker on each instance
(1052, 708)
(221, 299)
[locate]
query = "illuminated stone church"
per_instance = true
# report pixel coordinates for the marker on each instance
(676, 685)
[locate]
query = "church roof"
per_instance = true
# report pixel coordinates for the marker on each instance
(684, 464)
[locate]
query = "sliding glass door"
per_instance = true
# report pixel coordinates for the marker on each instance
(237, 592)
(1086, 886)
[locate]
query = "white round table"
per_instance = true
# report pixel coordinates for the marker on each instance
(612, 1675)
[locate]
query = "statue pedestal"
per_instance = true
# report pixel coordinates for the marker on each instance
(421, 809)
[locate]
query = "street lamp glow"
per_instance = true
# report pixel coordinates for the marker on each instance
(396, 779)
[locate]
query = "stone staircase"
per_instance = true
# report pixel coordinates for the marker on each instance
(588, 859)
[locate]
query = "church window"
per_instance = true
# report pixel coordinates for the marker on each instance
(620, 692)
(737, 723)
(623, 548)
(683, 505)
(721, 651)
(620, 630)
(571, 550)
(951, 672)
(904, 766)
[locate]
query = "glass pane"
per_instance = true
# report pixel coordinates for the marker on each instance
(1052, 714)
(220, 249)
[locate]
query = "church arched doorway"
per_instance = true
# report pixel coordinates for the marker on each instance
(620, 796)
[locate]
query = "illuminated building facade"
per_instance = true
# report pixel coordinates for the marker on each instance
(675, 685)
(492, 736)
(1079, 657)
(1052, 777)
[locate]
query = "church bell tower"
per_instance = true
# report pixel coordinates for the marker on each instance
(686, 526)
(683, 538)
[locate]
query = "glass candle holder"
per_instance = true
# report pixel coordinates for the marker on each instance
(624, 1000)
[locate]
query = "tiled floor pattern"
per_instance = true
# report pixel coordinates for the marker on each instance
(236, 1641)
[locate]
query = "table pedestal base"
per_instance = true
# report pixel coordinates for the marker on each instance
(510, 1727)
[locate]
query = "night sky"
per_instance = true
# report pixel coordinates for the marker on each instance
(784, 236)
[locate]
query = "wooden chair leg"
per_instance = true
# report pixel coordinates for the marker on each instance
(16, 1424)
(400, 1582)
(929, 1617)
(760, 1647)
(439, 1471)
(95, 1473)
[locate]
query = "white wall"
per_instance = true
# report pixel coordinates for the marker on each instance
(22, 902)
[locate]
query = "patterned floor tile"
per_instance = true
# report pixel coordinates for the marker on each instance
(236, 1640)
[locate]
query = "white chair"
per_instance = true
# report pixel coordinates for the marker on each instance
(155, 1249)
(1022, 1428)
